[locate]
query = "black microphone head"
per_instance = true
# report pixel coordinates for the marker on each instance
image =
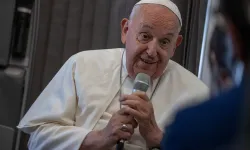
(141, 82)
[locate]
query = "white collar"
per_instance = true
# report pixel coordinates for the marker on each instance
(124, 62)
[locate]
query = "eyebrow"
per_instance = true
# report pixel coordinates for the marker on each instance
(151, 27)
(170, 34)
(146, 26)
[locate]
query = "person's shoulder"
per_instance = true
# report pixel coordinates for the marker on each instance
(101, 60)
(98, 57)
(186, 80)
(97, 54)
(183, 74)
(217, 118)
(214, 113)
(228, 98)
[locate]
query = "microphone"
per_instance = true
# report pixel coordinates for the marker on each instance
(141, 83)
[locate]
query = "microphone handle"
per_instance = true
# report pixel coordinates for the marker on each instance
(120, 145)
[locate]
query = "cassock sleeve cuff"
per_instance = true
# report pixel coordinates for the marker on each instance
(57, 136)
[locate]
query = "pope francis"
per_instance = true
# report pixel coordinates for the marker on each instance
(80, 107)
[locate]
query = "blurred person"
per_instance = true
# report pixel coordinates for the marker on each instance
(223, 121)
(80, 107)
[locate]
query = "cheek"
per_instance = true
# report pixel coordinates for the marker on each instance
(164, 59)
(138, 50)
(165, 55)
(172, 50)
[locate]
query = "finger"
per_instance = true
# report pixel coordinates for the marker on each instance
(121, 111)
(122, 135)
(125, 135)
(126, 97)
(126, 112)
(131, 103)
(126, 119)
(129, 128)
(123, 117)
(132, 121)
(132, 112)
(142, 95)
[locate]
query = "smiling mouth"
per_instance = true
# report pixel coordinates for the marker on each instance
(147, 62)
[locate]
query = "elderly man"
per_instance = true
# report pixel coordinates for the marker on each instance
(80, 108)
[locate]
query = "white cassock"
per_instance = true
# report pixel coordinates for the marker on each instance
(85, 93)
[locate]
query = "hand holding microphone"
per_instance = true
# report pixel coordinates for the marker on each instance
(115, 131)
(139, 106)
(121, 125)
(137, 110)
(141, 83)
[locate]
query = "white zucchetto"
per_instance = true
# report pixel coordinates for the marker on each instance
(167, 3)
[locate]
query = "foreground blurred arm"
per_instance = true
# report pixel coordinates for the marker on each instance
(207, 126)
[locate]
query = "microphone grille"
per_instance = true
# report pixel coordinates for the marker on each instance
(141, 82)
(142, 77)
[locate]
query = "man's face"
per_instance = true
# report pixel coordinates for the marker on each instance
(150, 37)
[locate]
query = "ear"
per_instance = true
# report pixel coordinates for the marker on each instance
(124, 29)
(178, 42)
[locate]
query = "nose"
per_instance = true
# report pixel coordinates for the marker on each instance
(152, 48)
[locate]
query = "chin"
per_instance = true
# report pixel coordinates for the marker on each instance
(143, 71)
(133, 72)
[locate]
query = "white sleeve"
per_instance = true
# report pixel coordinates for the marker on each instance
(57, 137)
(51, 119)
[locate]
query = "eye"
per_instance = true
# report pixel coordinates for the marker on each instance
(144, 37)
(165, 42)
